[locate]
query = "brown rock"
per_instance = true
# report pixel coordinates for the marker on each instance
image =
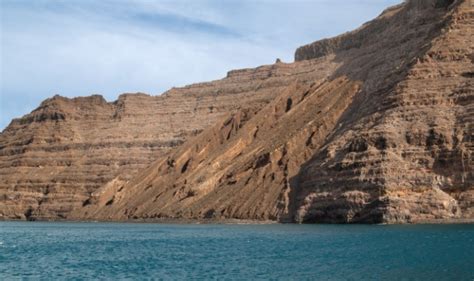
(53, 159)
(375, 125)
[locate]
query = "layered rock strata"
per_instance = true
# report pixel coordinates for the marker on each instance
(54, 158)
(375, 125)
(404, 152)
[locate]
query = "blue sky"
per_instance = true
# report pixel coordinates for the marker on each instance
(84, 47)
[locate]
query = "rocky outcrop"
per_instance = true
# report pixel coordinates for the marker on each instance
(405, 152)
(365, 34)
(54, 158)
(240, 168)
(372, 126)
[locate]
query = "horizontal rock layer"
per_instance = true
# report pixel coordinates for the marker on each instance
(386, 137)
(373, 126)
(54, 158)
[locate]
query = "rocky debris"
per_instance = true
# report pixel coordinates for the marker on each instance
(61, 155)
(371, 126)
(241, 167)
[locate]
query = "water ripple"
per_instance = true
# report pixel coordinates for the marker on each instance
(43, 250)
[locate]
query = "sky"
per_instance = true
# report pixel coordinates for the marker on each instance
(83, 47)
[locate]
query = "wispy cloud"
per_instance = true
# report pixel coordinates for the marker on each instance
(80, 47)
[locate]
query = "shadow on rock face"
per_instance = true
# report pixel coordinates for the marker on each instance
(443, 3)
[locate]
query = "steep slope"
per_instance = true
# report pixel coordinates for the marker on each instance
(387, 137)
(52, 159)
(240, 168)
(405, 151)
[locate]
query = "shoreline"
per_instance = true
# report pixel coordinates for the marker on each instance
(156, 221)
(183, 221)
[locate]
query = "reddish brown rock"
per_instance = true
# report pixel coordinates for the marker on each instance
(375, 125)
(54, 158)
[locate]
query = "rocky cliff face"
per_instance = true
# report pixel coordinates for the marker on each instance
(54, 158)
(375, 125)
(404, 151)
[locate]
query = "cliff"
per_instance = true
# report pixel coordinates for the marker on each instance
(54, 158)
(375, 125)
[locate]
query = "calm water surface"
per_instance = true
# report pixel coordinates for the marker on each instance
(43, 250)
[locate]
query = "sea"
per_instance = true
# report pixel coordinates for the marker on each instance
(146, 251)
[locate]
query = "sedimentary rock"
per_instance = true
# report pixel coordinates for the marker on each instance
(386, 137)
(375, 125)
(404, 152)
(54, 158)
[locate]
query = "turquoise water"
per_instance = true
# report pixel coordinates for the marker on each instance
(43, 250)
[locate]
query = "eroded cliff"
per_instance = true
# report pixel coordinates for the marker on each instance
(54, 158)
(375, 125)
